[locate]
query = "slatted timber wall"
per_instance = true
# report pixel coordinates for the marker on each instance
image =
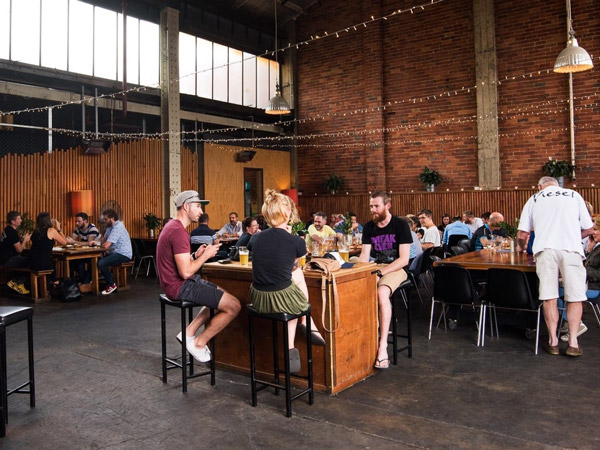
(509, 202)
(129, 174)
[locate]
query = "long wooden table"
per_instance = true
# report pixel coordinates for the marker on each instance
(64, 255)
(351, 347)
(488, 259)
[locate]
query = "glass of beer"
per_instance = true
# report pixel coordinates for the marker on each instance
(344, 251)
(302, 260)
(244, 252)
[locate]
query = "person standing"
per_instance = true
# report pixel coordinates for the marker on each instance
(560, 219)
(387, 239)
(178, 268)
(118, 243)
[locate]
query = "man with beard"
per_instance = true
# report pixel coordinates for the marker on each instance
(319, 229)
(386, 239)
(84, 233)
(178, 278)
(233, 228)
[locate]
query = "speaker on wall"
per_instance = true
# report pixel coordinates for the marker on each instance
(97, 147)
(245, 155)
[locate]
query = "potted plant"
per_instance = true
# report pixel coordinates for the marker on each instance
(346, 228)
(430, 178)
(333, 183)
(558, 169)
(152, 222)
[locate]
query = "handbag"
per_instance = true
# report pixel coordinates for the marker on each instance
(327, 267)
(68, 290)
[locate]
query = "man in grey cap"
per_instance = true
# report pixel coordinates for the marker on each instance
(178, 269)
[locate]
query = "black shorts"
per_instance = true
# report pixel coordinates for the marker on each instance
(201, 292)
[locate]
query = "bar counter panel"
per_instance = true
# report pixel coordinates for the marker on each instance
(351, 346)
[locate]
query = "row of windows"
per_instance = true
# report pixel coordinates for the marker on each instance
(78, 37)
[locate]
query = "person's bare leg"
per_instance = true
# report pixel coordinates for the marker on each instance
(300, 281)
(385, 315)
(229, 308)
(200, 319)
(292, 324)
(574, 311)
(551, 319)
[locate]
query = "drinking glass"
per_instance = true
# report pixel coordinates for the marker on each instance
(244, 252)
(344, 251)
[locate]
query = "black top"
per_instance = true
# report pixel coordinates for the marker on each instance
(202, 230)
(7, 244)
(274, 252)
(244, 240)
(385, 241)
(482, 231)
(40, 255)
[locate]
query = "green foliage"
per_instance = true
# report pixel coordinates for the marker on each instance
(429, 176)
(511, 229)
(347, 224)
(558, 168)
(27, 225)
(299, 228)
(333, 183)
(151, 221)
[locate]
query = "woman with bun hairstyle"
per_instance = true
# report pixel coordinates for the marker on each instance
(278, 284)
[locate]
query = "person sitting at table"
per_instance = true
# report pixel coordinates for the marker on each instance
(431, 238)
(118, 243)
(490, 230)
(179, 279)
(278, 284)
(415, 247)
(456, 228)
(47, 230)
(203, 234)
(233, 228)
(262, 223)
(356, 227)
(11, 247)
(474, 223)
(445, 222)
(84, 233)
(387, 239)
(485, 217)
(335, 220)
(250, 227)
(319, 229)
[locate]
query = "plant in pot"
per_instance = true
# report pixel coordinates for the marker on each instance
(558, 169)
(430, 178)
(346, 228)
(333, 183)
(152, 222)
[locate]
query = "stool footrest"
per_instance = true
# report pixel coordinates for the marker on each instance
(282, 387)
(18, 390)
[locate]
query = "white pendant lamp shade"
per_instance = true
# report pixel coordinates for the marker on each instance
(573, 58)
(277, 104)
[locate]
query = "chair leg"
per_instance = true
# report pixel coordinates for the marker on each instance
(31, 362)
(286, 365)
(184, 353)
(537, 330)
(252, 359)
(163, 332)
(409, 330)
(394, 332)
(431, 318)
(311, 393)
(3, 381)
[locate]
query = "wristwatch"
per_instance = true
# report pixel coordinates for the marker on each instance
(194, 256)
(379, 274)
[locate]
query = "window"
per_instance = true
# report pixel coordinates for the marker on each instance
(249, 80)
(4, 28)
(25, 29)
(133, 54)
(205, 64)
(149, 53)
(235, 76)
(262, 84)
(187, 64)
(55, 16)
(81, 38)
(220, 60)
(105, 43)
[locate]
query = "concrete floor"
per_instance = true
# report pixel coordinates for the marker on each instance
(97, 367)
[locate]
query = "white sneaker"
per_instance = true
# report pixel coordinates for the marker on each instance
(200, 354)
(582, 329)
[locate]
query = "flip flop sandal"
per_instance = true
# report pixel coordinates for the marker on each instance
(378, 362)
(294, 360)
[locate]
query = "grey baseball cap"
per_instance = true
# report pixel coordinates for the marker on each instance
(189, 197)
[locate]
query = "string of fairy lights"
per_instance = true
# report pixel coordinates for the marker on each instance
(542, 108)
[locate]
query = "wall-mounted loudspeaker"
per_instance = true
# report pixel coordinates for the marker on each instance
(245, 156)
(97, 147)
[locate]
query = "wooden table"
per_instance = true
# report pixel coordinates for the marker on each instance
(64, 255)
(351, 347)
(488, 259)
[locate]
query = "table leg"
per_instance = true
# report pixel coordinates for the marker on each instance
(95, 283)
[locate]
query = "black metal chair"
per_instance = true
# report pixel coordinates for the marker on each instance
(458, 250)
(282, 318)
(455, 239)
(466, 244)
(141, 255)
(509, 289)
(403, 292)
(452, 285)
(9, 315)
(169, 363)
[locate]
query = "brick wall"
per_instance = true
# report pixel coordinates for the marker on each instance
(426, 54)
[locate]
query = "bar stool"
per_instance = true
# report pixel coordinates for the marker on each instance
(402, 290)
(10, 315)
(168, 363)
(282, 318)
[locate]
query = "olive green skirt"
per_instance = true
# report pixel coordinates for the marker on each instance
(289, 300)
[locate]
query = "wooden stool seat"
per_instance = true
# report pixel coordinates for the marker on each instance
(120, 275)
(37, 280)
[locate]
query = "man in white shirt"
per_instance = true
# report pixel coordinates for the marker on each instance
(233, 228)
(431, 238)
(471, 221)
(560, 219)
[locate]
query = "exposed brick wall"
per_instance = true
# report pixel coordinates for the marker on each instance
(426, 54)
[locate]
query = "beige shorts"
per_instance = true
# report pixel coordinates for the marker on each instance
(550, 263)
(393, 279)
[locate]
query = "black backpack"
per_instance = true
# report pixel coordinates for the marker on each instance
(68, 291)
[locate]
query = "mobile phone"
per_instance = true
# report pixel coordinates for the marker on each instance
(225, 261)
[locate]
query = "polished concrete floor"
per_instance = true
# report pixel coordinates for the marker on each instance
(97, 367)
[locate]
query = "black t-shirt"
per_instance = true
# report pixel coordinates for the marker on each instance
(385, 241)
(274, 252)
(202, 230)
(7, 244)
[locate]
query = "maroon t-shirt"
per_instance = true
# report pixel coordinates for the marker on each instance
(172, 241)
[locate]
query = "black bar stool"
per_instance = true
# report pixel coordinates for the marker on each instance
(10, 315)
(168, 363)
(402, 291)
(282, 318)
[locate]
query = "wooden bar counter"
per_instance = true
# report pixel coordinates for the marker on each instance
(351, 346)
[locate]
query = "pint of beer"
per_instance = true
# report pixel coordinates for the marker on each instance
(302, 261)
(244, 252)
(345, 254)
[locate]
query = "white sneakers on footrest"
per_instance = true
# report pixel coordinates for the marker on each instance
(200, 354)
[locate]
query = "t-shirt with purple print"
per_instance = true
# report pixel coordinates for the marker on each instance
(385, 241)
